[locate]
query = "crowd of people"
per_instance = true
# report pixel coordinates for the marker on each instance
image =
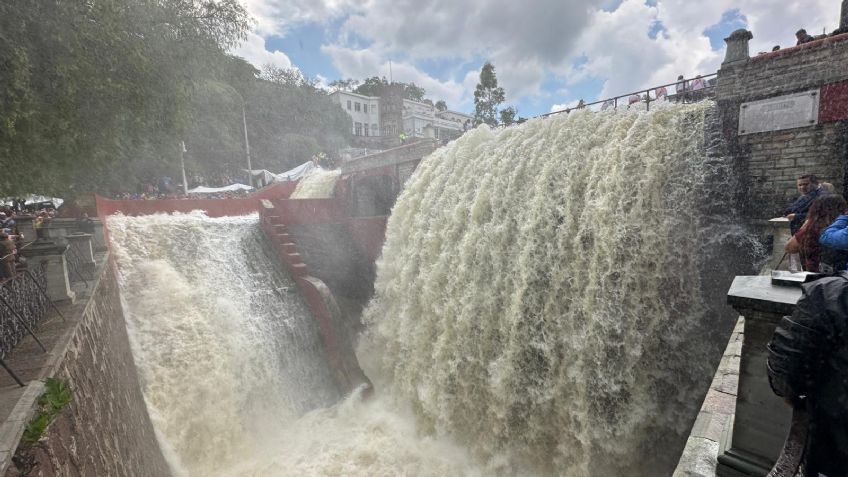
(684, 90)
(808, 354)
(801, 37)
(166, 188)
(11, 238)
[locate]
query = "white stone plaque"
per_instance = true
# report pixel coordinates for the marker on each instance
(783, 112)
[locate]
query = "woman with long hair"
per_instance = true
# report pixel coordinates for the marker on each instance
(822, 213)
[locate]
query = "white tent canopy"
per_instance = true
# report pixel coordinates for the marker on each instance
(297, 173)
(212, 190)
(33, 199)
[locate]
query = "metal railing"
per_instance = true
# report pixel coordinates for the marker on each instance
(684, 92)
(77, 267)
(23, 305)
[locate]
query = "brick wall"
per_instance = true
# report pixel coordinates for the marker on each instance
(772, 161)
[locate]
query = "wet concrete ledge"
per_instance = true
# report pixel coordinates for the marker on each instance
(700, 455)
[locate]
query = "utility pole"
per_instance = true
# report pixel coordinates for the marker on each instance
(391, 78)
(182, 166)
(246, 144)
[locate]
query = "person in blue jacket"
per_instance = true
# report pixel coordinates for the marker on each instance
(836, 234)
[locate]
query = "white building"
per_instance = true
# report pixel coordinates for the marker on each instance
(364, 112)
(419, 119)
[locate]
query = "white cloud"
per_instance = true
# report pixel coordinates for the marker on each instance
(275, 17)
(531, 43)
(364, 63)
(254, 51)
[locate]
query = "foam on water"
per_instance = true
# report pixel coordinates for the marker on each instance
(231, 364)
(539, 296)
(319, 184)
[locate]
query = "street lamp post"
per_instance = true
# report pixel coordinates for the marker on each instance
(246, 145)
(244, 124)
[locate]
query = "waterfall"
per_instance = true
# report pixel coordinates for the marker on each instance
(319, 184)
(225, 346)
(548, 302)
(540, 297)
(232, 368)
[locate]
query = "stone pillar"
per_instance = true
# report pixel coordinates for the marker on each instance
(57, 229)
(25, 227)
(98, 239)
(55, 268)
(81, 244)
(843, 22)
(737, 47)
(761, 422)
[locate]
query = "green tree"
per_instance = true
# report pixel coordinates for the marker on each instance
(441, 105)
(375, 86)
(487, 96)
(508, 116)
(344, 85)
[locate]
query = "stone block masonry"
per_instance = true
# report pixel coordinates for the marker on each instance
(770, 162)
(105, 430)
(776, 159)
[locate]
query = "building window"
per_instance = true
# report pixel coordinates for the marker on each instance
(348, 105)
(374, 130)
(365, 109)
(358, 128)
(356, 107)
(366, 129)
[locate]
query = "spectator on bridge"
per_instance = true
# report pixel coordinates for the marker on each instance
(681, 87)
(808, 186)
(808, 367)
(608, 104)
(802, 37)
(823, 212)
(633, 99)
(661, 93)
(7, 222)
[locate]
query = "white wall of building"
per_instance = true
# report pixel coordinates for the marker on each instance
(365, 110)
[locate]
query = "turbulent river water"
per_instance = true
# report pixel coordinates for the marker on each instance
(542, 307)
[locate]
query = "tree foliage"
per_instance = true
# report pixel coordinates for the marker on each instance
(375, 86)
(508, 116)
(487, 96)
(98, 95)
(441, 105)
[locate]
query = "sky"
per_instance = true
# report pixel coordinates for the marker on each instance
(548, 54)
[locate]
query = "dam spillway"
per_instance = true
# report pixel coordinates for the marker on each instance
(541, 308)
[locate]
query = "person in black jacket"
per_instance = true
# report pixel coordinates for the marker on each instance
(808, 186)
(808, 367)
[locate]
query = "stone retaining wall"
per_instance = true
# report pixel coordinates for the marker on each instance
(772, 161)
(106, 430)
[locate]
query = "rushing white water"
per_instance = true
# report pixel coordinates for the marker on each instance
(319, 184)
(539, 294)
(540, 309)
(231, 363)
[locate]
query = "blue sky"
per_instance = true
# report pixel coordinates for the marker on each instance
(548, 54)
